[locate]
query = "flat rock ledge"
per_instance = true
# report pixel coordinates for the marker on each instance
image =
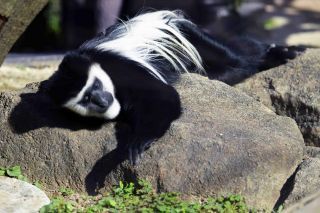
(17, 196)
(225, 142)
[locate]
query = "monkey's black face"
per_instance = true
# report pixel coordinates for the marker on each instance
(95, 99)
(83, 87)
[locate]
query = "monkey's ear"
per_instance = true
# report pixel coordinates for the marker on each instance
(46, 85)
(74, 62)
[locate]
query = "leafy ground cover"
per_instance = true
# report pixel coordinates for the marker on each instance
(140, 198)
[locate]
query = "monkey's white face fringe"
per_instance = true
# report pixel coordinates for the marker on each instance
(151, 36)
(95, 72)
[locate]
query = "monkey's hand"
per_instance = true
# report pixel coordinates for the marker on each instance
(277, 55)
(136, 149)
(148, 117)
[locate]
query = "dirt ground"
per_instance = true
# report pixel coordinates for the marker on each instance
(21, 69)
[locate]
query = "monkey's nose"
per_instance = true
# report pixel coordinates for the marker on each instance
(102, 99)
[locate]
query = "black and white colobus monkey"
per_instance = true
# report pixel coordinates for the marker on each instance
(126, 74)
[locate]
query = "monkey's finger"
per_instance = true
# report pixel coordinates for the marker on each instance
(144, 146)
(135, 155)
(130, 155)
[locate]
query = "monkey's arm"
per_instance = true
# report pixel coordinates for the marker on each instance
(148, 119)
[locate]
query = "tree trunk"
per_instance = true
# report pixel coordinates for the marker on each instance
(15, 16)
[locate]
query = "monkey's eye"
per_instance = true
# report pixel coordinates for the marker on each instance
(86, 98)
(96, 85)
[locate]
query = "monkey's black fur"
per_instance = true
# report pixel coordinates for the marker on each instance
(148, 106)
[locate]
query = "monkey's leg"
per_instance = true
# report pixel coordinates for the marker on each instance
(217, 57)
(276, 55)
(233, 61)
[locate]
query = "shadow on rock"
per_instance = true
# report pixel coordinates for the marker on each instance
(35, 111)
(95, 180)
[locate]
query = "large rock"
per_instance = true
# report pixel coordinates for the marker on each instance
(292, 90)
(225, 142)
(17, 196)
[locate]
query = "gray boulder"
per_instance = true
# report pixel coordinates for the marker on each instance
(17, 196)
(305, 183)
(225, 142)
(308, 204)
(312, 152)
(292, 90)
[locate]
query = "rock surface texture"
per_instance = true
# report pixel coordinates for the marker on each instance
(292, 90)
(308, 204)
(17, 196)
(225, 142)
(305, 183)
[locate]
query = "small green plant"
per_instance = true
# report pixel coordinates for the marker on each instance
(142, 198)
(13, 172)
(66, 191)
(58, 205)
(38, 184)
(232, 203)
